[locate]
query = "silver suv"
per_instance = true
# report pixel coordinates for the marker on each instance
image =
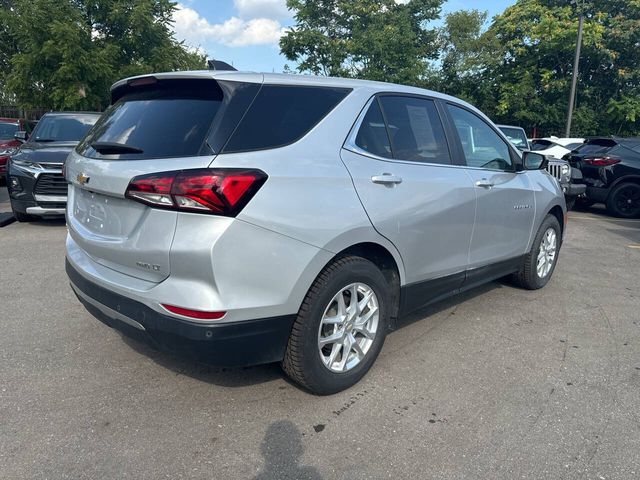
(243, 218)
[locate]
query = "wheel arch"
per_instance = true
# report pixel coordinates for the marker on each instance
(626, 179)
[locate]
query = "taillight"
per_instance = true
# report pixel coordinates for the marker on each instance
(220, 192)
(600, 161)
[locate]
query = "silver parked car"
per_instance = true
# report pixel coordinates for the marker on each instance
(243, 218)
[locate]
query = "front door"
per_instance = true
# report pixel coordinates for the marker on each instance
(506, 203)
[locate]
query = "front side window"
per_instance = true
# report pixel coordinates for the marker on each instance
(415, 130)
(372, 136)
(63, 128)
(482, 146)
(281, 115)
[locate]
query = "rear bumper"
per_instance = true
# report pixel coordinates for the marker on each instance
(243, 343)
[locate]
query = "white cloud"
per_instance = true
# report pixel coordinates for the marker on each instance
(273, 9)
(234, 32)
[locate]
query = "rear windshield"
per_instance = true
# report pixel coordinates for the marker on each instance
(282, 114)
(63, 128)
(538, 145)
(162, 120)
(8, 130)
(596, 146)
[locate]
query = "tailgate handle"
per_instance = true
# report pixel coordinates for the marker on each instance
(386, 179)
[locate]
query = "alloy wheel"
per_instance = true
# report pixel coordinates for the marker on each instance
(348, 327)
(547, 253)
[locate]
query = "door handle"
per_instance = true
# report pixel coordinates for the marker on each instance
(386, 179)
(484, 183)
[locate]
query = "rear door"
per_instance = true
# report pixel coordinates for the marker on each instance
(506, 203)
(399, 158)
(154, 125)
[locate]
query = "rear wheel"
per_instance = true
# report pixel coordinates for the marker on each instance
(340, 328)
(624, 201)
(539, 264)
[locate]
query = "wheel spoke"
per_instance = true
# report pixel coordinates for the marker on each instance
(365, 318)
(357, 349)
(337, 347)
(333, 320)
(342, 308)
(362, 329)
(346, 350)
(333, 338)
(365, 301)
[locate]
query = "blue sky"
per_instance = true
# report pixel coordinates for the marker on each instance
(246, 32)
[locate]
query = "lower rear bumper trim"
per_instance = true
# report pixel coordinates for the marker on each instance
(249, 342)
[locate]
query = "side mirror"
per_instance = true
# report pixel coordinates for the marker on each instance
(534, 161)
(21, 135)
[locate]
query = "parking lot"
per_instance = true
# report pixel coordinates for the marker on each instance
(497, 383)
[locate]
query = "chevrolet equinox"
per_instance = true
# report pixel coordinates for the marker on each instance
(243, 218)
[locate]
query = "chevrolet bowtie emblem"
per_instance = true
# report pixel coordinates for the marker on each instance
(83, 179)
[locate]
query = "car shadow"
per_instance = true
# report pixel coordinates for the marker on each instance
(222, 376)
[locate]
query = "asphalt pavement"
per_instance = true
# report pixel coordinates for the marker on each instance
(499, 383)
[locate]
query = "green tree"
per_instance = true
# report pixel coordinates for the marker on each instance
(372, 39)
(68, 52)
(533, 75)
(466, 57)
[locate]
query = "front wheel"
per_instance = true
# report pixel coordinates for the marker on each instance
(540, 263)
(23, 217)
(340, 328)
(624, 201)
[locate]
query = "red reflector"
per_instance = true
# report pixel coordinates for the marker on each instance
(601, 162)
(198, 314)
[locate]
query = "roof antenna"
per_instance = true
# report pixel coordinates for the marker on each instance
(219, 65)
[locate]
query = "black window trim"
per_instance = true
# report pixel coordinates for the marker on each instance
(350, 141)
(516, 160)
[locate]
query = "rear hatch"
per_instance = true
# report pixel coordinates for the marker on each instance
(155, 124)
(595, 149)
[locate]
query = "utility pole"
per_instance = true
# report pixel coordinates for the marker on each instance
(574, 79)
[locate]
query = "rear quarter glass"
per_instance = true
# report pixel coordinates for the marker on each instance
(281, 115)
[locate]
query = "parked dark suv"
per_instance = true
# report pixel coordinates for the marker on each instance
(34, 174)
(611, 171)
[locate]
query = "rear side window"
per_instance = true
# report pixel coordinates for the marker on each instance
(166, 119)
(372, 136)
(482, 146)
(415, 130)
(281, 115)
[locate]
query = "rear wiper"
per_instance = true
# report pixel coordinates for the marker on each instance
(112, 148)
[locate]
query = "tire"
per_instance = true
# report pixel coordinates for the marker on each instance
(624, 200)
(310, 365)
(529, 276)
(571, 203)
(23, 217)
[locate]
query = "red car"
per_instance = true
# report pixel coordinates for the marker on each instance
(8, 143)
